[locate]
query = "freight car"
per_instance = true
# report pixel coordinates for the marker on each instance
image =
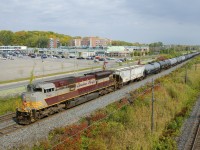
(152, 68)
(126, 75)
(164, 64)
(46, 98)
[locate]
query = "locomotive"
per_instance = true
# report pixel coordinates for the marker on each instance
(46, 98)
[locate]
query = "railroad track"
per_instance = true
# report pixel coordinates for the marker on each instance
(7, 117)
(9, 129)
(196, 141)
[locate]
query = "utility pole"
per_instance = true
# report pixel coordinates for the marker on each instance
(152, 107)
(195, 65)
(186, 74)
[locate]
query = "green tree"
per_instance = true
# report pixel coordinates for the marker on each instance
(20, 38)
(132, 54)
(121, 43)
(42, 42)
(6, 37)
(32, 41)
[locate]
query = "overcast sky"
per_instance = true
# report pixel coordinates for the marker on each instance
(143, 21)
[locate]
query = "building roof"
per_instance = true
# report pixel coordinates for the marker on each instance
(115, 48)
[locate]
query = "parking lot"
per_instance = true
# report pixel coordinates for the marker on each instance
(17, 68)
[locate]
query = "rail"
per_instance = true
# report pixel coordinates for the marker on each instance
(9, 129)
(196, 140)
(6, 117)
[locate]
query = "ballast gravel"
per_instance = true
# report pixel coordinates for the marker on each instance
(188, 128)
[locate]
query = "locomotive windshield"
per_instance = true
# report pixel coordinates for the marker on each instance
(32, 88)
(29, 88)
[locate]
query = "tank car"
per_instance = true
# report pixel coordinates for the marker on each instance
(152, 68)
(173, 61)
(164, 64)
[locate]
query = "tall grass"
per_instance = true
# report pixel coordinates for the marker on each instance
(9, 105)
(130, 126)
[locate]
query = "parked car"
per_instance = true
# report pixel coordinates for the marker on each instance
(71, 56)
(89, 58)
(96, 60)
(119, 61)
(122, 59)
(101, 59)
(5, 55)
(32, 55)
(110, 58)
(43, 56)
(80, 58)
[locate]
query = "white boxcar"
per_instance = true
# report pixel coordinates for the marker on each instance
(127, 74)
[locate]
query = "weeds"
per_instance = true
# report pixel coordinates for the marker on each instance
(9, 105)
(129, 127)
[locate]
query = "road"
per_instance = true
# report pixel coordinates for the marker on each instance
(24, 83)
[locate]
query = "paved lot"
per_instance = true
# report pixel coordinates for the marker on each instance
(22, 67)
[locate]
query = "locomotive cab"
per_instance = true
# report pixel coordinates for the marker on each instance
(33, 100)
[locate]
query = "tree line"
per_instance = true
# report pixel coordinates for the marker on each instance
(123, 43)
(32, 38)
(40, 39)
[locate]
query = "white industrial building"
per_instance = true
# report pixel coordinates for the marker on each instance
(12, 48)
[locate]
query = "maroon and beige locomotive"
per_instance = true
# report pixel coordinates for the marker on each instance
(43, 99)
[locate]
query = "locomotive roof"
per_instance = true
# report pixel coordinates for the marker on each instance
(44, 85)
(61, 79)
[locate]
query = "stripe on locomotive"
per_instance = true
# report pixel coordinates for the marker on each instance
(79, 92)
(34, 105)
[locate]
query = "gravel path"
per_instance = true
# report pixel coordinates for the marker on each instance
(35, 132)
(188, 128)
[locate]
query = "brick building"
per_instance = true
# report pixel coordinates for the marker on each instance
(53, 43)
(91, 42)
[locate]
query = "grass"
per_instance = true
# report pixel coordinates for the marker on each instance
(121, 126)
(9, 105)
(12, 92)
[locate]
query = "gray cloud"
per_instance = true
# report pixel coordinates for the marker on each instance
(130, 20)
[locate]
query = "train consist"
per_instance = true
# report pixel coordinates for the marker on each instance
(46, 98)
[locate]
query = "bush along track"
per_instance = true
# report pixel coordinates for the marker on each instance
(124, 126)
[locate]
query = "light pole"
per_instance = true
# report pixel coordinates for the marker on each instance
(152, 107)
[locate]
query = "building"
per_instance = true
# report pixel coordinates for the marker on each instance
(85, 42)
(77, 42)
(124, 51)
(91, 42)
(53, 43)
(12, 48)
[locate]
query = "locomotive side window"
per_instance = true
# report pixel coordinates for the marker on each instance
(30, 88)
(37, 90)
(48, 90)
